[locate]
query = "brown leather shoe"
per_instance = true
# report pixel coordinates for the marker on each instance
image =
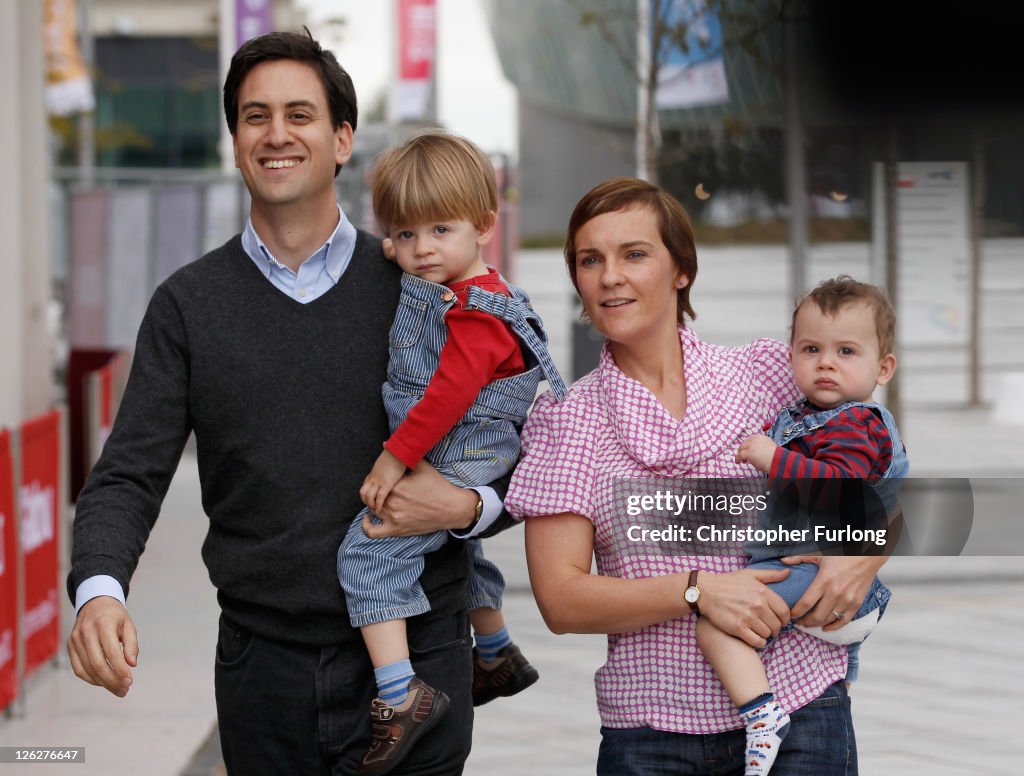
(513, 675)
(397, 728)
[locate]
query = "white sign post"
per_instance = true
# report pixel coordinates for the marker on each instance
(933, 228)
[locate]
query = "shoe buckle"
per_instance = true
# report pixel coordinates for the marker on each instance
(380, 711)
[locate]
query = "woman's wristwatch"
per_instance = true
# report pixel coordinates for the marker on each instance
(692, 593)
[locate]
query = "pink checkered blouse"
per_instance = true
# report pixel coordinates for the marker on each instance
(611, 427)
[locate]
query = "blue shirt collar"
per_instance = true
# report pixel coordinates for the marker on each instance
(336, 252)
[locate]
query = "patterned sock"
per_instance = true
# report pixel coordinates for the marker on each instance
(393, 681)
(488, 646)
(767, 725)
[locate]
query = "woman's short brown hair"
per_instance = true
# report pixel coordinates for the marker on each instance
(674, 226)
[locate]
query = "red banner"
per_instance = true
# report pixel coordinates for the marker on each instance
(40, 536)
(416, 39)
(8, 577)
(416, 23)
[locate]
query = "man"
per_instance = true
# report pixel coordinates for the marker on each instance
(272, 349)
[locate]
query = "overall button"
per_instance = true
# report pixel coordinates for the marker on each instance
(447, 296)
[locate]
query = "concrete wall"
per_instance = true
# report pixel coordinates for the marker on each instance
(561, 158)
(26, 383)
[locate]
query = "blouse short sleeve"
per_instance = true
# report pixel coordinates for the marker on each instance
(555, 473)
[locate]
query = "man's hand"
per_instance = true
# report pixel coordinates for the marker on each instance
(104, 646)
(757, 450)
(386, 472)
(423, 502)
(839, 586)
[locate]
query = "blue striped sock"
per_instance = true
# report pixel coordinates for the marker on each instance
(488, 646)
(393, 681)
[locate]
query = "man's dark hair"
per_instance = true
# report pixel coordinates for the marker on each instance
(341, 95)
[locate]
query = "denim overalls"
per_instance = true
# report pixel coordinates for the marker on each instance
(788, 427)
(381, 576)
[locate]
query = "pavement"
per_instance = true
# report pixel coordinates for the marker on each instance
(941, 679)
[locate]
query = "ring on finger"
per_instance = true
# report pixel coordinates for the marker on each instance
(838, 615)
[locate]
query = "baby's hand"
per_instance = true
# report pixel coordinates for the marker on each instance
(386, 472)
(757, 450)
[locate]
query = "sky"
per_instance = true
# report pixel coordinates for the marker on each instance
(474, 99)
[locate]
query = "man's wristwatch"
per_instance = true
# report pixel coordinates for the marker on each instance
(478, 510)
(692, 593)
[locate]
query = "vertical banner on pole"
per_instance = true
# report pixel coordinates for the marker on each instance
(8, 577)
(68, 85)
(416, 25)
(693, 74)
(40, 497)
(252, 19)
(89, 304)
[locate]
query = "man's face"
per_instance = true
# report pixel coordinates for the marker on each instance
(285, 145)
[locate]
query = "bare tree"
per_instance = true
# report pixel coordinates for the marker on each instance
(673, 24)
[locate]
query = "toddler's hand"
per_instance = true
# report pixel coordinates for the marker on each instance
(386, 472)
(757, 450)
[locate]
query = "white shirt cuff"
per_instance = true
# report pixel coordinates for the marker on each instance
(491, 512)
(96, 586)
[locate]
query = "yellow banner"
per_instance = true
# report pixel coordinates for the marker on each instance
(68, 85)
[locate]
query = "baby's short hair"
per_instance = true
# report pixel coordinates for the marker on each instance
(433, 176)
(836, 293)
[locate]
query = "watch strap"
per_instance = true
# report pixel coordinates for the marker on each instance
(692, 582)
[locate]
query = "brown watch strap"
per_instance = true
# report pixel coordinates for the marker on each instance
(692, 582)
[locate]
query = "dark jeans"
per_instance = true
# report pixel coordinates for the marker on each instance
(291, 709)
(820, 743)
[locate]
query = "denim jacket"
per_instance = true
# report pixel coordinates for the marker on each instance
(788, 427)
(484, 444)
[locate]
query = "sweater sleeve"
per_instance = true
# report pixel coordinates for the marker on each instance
(119, 504)
(477, 344)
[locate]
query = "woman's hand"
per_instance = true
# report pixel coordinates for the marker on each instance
(839, 587)
(740, 604)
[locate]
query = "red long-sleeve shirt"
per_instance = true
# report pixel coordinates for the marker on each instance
(480, 349)
(853, 444)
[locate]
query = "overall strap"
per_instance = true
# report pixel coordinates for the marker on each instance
(517, 312)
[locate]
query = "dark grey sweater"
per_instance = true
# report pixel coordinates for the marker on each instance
(285, 402)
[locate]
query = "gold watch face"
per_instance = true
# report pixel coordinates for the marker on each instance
(691, 595)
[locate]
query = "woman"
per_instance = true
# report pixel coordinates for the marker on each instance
(664, 404)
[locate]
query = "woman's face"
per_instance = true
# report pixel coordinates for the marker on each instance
(627, 280)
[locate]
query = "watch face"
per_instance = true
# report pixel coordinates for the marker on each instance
(691, 595)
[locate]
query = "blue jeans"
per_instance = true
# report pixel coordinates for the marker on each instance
(792, 588)
(820, 743)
